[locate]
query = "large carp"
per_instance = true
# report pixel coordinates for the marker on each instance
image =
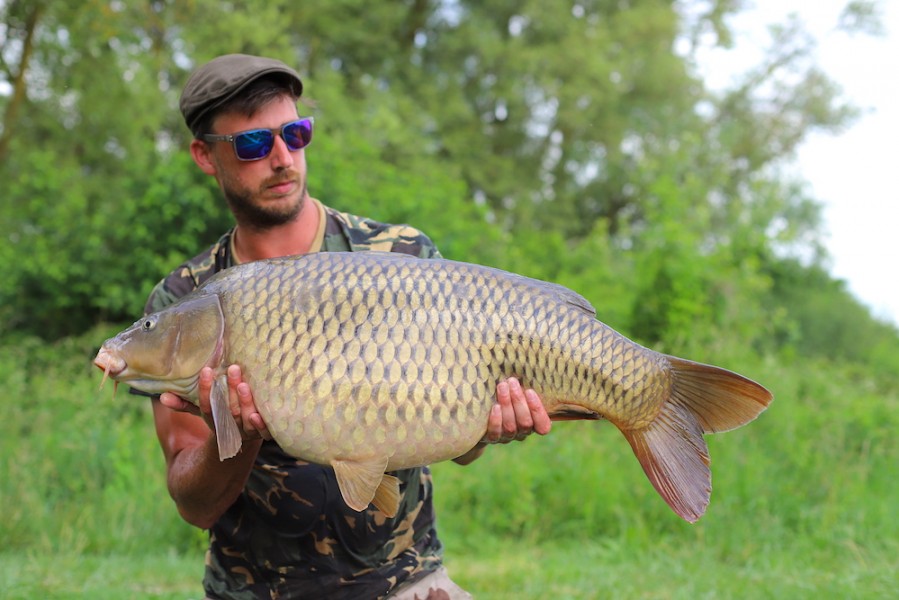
(371, 362)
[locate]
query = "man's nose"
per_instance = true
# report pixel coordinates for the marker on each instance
(281, 155)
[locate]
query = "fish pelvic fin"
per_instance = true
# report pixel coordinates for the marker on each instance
(671, 449)
(363, 482)
(564, 411)
(227, 433)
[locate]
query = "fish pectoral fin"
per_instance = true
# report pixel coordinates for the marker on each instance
(675, 457)
(226, 432)
(387, 496)
(571, 412)
(360, 480)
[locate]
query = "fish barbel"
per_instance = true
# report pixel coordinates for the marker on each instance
(372, 362)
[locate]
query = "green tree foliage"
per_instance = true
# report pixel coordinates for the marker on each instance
(572, 141)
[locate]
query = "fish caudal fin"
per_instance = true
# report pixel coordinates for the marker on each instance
(676, 459)
(671, 449)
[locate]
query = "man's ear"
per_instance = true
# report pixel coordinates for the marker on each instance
(202, 155)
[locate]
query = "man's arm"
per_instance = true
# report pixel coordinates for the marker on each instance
(202, 486)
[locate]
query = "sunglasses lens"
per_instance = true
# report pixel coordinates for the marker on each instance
(297, 134)
(253, 145)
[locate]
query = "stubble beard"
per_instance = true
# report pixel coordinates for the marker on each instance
(260, 215)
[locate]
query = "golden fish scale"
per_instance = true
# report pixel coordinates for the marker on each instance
(350, 359)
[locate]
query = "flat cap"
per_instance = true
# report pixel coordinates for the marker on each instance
(222, 78)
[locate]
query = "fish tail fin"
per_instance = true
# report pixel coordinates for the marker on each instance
(671, 449)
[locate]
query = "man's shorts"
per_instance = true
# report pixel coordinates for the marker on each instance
(434, 586)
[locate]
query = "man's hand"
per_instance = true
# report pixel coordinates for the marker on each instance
(516, 414)
(240, 400)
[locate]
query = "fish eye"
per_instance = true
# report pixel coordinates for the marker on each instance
(148, 324)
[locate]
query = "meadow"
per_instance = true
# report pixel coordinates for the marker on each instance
(803, 502)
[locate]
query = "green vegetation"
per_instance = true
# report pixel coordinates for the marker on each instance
(575, 146)
(802, 505)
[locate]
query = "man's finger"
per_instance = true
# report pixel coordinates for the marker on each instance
(234, 379)
(494, 423)
(251, 420)
(504, 397)
(178, 403)
(542, 423)
(524, 423)
(257, 422)
(204, 389)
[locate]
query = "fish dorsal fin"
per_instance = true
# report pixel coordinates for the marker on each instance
(569, 296)
(226, 432)
(361, 480)
(551, 290)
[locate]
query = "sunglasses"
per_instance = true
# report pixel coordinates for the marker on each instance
(256, 144)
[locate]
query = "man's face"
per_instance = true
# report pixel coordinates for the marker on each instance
(267, 192)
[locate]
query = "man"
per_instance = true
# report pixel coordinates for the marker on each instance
(278, 526)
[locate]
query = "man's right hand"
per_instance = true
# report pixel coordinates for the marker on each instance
(240, 401)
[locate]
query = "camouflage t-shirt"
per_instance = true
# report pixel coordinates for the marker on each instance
(289, 533)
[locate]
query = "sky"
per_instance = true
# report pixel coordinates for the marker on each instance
(854, 173)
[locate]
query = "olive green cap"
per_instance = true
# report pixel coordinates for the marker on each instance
(222, 78)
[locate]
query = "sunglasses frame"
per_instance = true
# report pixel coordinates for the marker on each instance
(232, 137)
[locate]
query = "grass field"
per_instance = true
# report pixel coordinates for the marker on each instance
(508, 569)
(803, 506)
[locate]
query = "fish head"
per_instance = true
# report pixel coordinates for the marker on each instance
(165, 351)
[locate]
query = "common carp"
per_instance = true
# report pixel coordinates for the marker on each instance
(372, 362)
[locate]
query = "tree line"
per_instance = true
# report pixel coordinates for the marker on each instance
(573, 141)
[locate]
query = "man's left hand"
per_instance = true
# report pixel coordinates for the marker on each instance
(516, 414)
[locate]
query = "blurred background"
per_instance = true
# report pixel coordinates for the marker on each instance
(657, 156)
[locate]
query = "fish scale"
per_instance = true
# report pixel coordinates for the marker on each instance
(372, 362)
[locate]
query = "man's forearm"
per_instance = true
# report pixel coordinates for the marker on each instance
(202, 486)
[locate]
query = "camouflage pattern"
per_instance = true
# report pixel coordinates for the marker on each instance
(289, 534)
(343, 233)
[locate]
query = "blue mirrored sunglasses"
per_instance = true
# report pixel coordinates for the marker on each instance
(256, 144)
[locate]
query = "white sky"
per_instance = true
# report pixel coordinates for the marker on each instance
(854, 174)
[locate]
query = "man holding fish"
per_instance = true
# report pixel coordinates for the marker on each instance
(278, 526)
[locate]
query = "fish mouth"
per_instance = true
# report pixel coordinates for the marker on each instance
(110, 363)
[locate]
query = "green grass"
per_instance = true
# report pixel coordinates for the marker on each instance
(509, 569)
(669, 569)
(803, 502)
(112, 577)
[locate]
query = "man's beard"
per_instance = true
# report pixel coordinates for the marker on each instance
(259, 215)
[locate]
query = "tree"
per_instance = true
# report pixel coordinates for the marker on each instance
(560, 142)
